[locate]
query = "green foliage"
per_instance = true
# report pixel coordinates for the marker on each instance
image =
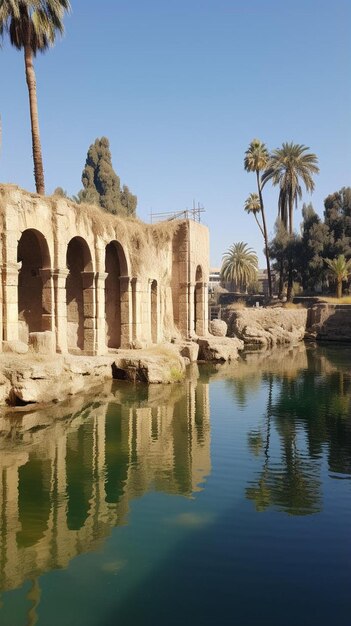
(314, 242)
(340, 270)
(256, 160)
(288, 166)
(256, 156)
(240, 265)
(36, 22)
(337, 218)
(101, 183)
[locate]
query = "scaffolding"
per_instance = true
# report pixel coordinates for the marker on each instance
(188, 214)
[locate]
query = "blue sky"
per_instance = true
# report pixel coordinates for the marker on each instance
(180, 88)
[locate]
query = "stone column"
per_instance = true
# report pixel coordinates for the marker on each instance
(100, 278)
(89, 312)
(183, 322)
(136, 308)
(59, 280)
(126, 311)
(205, 297)
(47, 300)
(10, 300)
(191, 309)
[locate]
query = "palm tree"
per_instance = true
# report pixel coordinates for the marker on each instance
(340, 269)
(240, 265)
(287, 166)
(253, 205)
(32, 25)
(256, 159)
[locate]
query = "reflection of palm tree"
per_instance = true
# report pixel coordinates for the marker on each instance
(293, 488)
(33, 595)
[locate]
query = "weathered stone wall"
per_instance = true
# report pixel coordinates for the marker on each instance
(95, 281)
(329, 322)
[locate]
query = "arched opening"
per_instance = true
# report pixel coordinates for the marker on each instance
(34, 284)
(199, 314)
(80, 296)
(115, 293)
(153, 311)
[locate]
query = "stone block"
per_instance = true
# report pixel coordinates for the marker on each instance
(15, 346)
(42, 342)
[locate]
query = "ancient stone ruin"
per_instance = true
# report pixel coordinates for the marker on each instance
(78, 280)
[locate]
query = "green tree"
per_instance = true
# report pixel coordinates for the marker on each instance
(340, 270)
(240, 265)
(277, 251)
(101, 183)
(337, 217)
(32, 26)
(314, 243)
(253, 206)
(287, 167)
(256, 159)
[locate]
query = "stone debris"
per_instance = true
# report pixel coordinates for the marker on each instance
(218, 328)
(219, 348)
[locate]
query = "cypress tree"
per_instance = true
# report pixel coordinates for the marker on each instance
(102, 185)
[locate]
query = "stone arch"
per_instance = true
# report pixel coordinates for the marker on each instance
(35, 301)
(80, 297)
(116, 294)
(154, 311)
(199, 302)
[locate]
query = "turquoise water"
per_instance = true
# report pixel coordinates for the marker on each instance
(225, 499)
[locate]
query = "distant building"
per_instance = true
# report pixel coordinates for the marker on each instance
(262, 281)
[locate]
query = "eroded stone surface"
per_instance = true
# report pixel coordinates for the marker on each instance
(218, 328)
(268, 327)
(162, 364)
(219, 348)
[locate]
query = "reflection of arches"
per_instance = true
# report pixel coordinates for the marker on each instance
(79, 471)
(79, 296)
(199, 312)
(116, 315)
(34, 284)
(153, 311)
(33, 501)
(116, 453)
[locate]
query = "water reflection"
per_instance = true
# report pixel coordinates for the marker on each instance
(281, 427)
(67, 477)
(310, 413)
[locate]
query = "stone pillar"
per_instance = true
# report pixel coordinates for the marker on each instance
(200, 309)
(89, 312)
(101, 347)
(126, 311)
(183, 322)
(47, 322)
(205, 298)
(59, 280)
(136, 308)
(191, 309)
(10, 300)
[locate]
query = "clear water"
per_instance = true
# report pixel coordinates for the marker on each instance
(223, 500)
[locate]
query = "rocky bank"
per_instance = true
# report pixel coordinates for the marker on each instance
(267, 327)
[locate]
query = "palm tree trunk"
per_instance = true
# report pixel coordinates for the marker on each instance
(339, 288)
(269, 276)
(34, 120)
